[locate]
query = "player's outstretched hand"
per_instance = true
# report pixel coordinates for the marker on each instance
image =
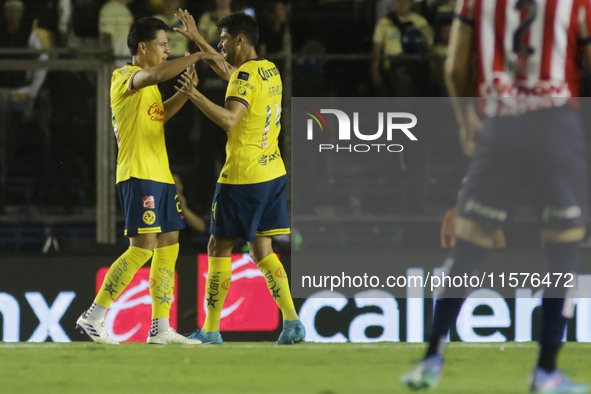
(216, 60)
(469, 131)
(188, 82)
(191, 32)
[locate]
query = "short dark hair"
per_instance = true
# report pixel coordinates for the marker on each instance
(144, 30)
(241, 24)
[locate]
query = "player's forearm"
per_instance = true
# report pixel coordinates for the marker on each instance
(170, 69)
(458, 69)
(173, 105)
(203, 44)
(219, 115)
(193, 220)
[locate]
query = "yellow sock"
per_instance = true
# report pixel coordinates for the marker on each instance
(216, 290)
(278, 285)
(121, 273)
(162, 280)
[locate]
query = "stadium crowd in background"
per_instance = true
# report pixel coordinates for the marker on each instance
(396, 49)
(199, 148)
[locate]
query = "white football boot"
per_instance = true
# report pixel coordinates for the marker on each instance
(95, 329)
(170, 336)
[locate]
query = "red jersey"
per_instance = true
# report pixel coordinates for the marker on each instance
(527, 48)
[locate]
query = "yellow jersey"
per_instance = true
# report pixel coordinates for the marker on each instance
(138, 122)
(252, 151)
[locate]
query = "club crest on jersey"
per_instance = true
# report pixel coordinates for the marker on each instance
(243, 75)
(149, 217)
(148, 202)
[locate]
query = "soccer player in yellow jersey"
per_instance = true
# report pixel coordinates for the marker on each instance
(249, 200)
(152, 211)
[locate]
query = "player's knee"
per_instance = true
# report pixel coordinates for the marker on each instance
(144, 241)
(219, 247)
(252, 256)
(477, 233)
(261, 248)
(562, 235)
(212, 246)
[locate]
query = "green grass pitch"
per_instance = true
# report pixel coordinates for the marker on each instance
(84, 367)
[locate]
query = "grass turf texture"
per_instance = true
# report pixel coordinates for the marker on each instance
(84, 367)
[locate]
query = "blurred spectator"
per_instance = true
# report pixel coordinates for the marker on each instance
(176, 42)
(51, 21)
(15, 33)
(445, 6)
(84, 23)
(402, 31)
(223, 8)
(207, 23)
(18, 89)
(272, 28)
(115, 19)
(383, 8)
(191, 217)
(443, 29)
(443, 23)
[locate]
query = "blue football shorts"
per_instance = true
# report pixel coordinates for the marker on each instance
(542, 152)
(248, 211)
(150, 207)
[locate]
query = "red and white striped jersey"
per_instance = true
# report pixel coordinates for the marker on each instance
(528, 48)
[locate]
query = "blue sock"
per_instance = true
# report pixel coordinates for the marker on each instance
(467, 258)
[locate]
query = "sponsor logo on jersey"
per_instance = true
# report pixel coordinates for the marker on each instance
(268, 73)
(156, 113)
(243, 75)
(149, 217)
(148, 202)
(280, 273)
(266, 159)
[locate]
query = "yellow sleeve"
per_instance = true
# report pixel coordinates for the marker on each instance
(121, 84)
(242, 86)
(379, 34)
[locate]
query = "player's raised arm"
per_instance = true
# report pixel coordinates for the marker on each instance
(192, 33)
(167, 70)
(176, 102)
(459, 76)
